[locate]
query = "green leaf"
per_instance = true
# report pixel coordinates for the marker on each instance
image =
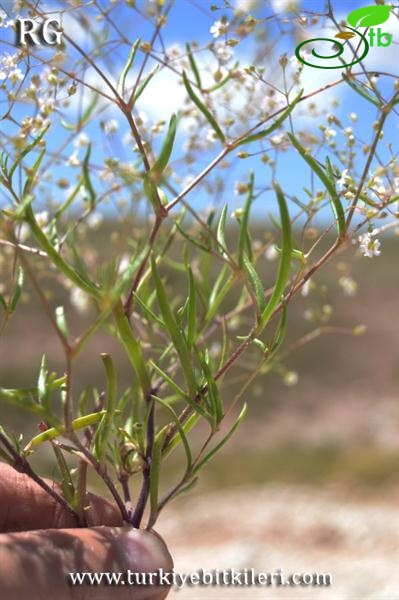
(26, 151)
(279, 121)
(256, 283)
(336, 202)
(56, 258)
(61, 321)
(191, 310)
(215, 401)
(18, 290)
(154, 475)
(203, 109)
(358, 88)
(68, 489)
(54, 432)
(285, 259)
(325, 178)
(42, 390)
(32, 173)
(133, 349)
(243, 238)
(193, 66)
(170, 381)
(218, 447)
(103, 431)
(175, 332)
(122, 79)
(179, 428)
(220, 232)
(367, 16)
(282, 326)
(144, 84)
(160, 164)
(86, 178)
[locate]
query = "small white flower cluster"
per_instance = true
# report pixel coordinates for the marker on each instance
(8, 67)
(219, 28)
(223, 52)
(5, 22)
(369, 245)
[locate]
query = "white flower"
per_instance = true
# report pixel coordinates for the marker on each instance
(271, 253)
(348, 285)
(111, 126)
(219, 28)
(329, 133)
(223, 51)
(46, 105)
(291, 378)
(277, 139)
(42, 218)
(345, 179)
(307, 286)
(81, 140)
(353, 116)
(94, 220)
(368, 246)
(4, 20)
(124, 263)
(79, 299)
(73, 160)
(211, 136)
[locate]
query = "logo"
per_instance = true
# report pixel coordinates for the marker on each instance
(33, 33)
(367, 16)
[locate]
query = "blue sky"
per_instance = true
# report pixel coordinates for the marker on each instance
(190, 21)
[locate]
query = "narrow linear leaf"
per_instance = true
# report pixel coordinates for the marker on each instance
(86, 178)
(194, 67)
(191, 310)
(281, 329)
(256, 283)
(156, 458)
(68, 489)
(133, 349)
(176, 334)
(359, 89)
(218, 447)
(336, 204)
(203, 108)
(279, 121)
(325, 179)
(215, 401)
(54, 432)
(144, 84)
(243, 237)
(221, 229)
(160, 164)
(129, 62)
(103, 431)
(179, 428)
(285, 259)
(18, 290)
(61, 321)
(27, 151)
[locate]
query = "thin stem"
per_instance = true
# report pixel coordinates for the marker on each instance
(22, 466)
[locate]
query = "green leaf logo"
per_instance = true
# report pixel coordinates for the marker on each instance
(369, 15)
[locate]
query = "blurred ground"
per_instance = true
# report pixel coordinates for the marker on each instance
(296, 529)
(309, 483)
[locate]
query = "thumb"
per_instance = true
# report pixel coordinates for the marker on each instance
(33, 563)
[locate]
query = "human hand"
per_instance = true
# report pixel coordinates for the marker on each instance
(39, 546)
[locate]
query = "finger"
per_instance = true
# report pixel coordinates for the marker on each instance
(36, 563)
(24, 505)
